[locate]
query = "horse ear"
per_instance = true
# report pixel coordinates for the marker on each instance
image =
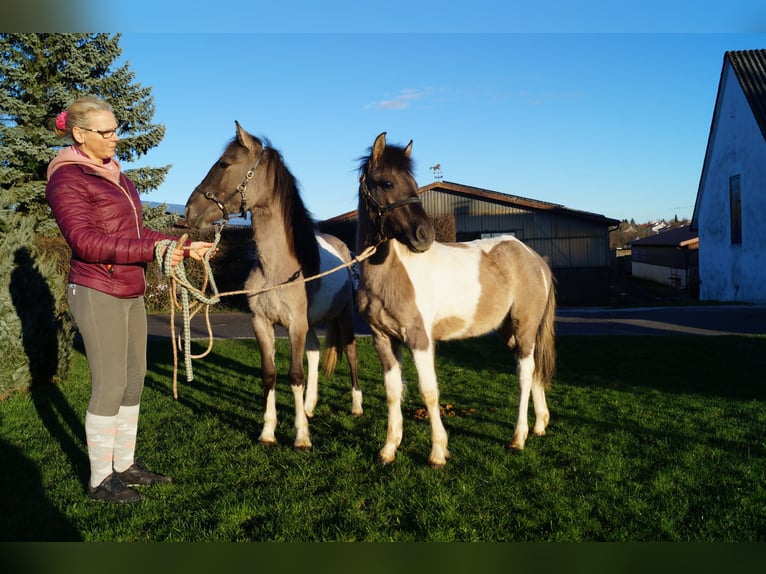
(408, 149)
(378, 147)
(244, 138)
(240, 133)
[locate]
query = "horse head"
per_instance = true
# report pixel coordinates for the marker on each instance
(389, 205)
(225, 187)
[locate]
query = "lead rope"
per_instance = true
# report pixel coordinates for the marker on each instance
(177, 278)
(179, 282)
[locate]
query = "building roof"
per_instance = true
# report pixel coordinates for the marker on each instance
(677, 237)
(749, 67)
(500, 198)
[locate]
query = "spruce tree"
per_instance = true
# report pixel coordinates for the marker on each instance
(40, 75)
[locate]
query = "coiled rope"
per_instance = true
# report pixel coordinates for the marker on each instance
(176, 275)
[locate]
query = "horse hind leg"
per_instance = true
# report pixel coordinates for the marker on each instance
(525, 373)
(542, 415)
(356, 391)
(312, 379)
(297, 333)
(346, 325)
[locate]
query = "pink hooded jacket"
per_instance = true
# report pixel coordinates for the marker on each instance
(102, 223)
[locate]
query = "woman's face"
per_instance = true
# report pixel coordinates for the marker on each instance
(94, 144)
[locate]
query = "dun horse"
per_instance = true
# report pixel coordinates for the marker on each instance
(416, 291)
(251, 176)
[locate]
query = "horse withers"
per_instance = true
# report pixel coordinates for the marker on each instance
(416, 291)
(252, 177)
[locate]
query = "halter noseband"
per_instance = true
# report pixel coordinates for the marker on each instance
(381, 210)
(241, 188)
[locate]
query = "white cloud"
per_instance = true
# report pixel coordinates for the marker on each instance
(402, 100)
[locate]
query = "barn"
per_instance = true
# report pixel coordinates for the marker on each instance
(668, 257)
(575, 243)
(730, 208)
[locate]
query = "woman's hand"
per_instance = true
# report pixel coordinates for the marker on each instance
(196, 250)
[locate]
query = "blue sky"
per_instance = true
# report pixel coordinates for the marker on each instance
(603, 114)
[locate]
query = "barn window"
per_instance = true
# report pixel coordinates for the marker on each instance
(735, 209)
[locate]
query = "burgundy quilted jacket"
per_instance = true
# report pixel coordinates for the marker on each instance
(102, 223)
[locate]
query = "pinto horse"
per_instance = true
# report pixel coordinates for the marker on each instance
(252, 176)
(416, 291)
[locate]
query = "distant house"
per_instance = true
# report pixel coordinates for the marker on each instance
(730, 210)
(669, 257)
(575, 243)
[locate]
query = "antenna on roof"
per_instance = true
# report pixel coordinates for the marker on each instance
(437, 170)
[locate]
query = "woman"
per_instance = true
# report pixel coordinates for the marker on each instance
(98, 211)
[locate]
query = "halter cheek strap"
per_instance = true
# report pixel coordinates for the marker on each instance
(381, 210)
(241, 189)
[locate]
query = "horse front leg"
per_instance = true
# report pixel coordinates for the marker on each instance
(264, 334)
(297, 332)
(390, 354)
(312, 379)
(525, 372)
(429, 392)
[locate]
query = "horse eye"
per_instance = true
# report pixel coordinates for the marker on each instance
(387, 184)
(222, 164)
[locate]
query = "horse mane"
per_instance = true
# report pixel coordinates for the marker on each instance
(393, 158)
(300, 227)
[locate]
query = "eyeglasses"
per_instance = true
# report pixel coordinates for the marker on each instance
(106, 134)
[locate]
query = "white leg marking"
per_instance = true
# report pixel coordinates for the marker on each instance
(524, 372)
(356, 402)
(269, 419)
(393, 383)
(312, 379)
(302, 439)
(542, 416)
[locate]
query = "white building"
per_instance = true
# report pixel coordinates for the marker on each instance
(730, 210)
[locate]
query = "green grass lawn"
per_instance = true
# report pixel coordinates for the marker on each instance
(651, 439)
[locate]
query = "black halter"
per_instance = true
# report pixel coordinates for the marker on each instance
(381, 210)
(241, 189)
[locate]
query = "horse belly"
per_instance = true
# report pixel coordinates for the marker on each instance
(334, 289)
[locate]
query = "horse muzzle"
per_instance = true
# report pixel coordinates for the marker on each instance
(422, 237)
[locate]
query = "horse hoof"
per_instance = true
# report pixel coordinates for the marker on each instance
(268, 442)
(357, 414)
(303, 447)
(514, 447)
(437, 465)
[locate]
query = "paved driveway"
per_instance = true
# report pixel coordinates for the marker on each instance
(697, 320)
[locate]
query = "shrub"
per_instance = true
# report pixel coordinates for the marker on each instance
(35, 328)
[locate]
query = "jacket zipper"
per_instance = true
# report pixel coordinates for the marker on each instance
(109, 266)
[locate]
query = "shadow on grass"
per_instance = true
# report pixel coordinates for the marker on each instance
(27, 514)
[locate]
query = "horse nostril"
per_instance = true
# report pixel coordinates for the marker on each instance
(425, 235)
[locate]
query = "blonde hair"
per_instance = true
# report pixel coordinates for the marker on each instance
(78, 111)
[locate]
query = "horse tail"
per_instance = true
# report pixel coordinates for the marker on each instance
(333, 346)
(545, 344)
